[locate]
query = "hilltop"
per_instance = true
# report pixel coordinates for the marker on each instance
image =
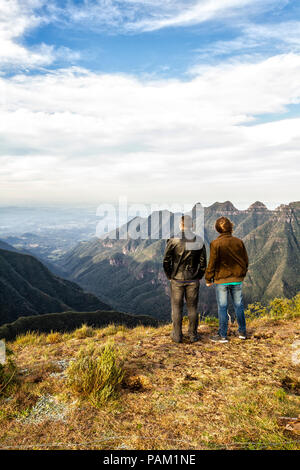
(240, 395)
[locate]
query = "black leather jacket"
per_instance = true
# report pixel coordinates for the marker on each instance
(185, 257)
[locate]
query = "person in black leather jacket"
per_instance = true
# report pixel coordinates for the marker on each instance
(184, 265)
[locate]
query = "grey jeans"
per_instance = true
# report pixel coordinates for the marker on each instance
(190, 292)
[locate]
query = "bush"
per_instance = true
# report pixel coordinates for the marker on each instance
(95, 374)
(285, 308)
(277, 309)
(255, 310)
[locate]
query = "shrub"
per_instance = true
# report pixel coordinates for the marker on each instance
(95, 374)
(285, 308)
(277, 309)
(255, 310)
(84, 331)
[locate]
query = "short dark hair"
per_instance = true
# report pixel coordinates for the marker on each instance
(187, 221)
(223, 224)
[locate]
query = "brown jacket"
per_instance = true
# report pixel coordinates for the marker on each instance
(228, 261)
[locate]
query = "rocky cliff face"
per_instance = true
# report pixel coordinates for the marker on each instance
(275, 257)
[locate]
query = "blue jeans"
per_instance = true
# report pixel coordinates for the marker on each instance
(235, 291)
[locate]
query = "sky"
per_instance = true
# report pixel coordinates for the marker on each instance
(158, 101)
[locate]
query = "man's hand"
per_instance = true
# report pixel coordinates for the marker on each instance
(209, 284)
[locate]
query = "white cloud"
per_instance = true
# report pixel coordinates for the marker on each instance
(17, 17)
(72, 135)
(196, 13)
(149, 15)
(287, 32)
(255, 40)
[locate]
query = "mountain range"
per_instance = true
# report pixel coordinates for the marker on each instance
(128, 274)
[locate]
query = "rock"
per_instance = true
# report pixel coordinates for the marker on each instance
(46, 408)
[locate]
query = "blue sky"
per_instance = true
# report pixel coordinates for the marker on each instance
(102, 98)
(106, 46)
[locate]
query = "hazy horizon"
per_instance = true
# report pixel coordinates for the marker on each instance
(93, 205)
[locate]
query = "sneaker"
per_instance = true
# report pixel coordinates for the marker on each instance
(219, 339)
(241, 336)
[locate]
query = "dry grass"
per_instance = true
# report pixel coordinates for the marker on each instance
(112, 330)
(54, 337)
(84, 331)
(95, 374)
(29, 338)
(174, 396)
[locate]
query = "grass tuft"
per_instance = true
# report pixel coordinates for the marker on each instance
(112, 330)
(54, 337)
(95, 374)
(29, 338)
(84, 331)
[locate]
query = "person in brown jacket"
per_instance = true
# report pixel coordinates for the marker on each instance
(227, 267)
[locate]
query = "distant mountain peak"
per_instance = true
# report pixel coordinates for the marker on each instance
(284, 208)
(292, 205)
(258, 206)
(226, 206)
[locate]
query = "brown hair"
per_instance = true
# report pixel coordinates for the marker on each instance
(224, 225)
(186, 221)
